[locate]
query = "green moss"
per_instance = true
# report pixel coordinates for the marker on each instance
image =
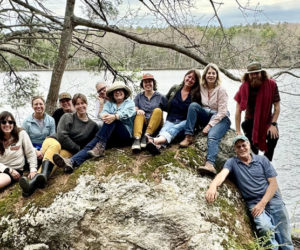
(7, 204)
(192, 157)
(158, 164)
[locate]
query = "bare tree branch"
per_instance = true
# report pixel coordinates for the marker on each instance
(180, 49)
(12, 51)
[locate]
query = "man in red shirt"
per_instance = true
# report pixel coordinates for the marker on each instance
(257, 95)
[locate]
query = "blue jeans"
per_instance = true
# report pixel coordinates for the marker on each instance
(115, 134)
(171, 129)
(196, 113)
(275, 219)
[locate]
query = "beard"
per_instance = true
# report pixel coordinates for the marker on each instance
(256, 83)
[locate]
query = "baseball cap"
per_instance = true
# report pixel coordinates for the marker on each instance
(64, 95)
(239, 137)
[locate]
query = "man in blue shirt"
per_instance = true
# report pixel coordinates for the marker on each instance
(256, 179)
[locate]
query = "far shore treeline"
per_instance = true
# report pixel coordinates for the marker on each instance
(276, 46)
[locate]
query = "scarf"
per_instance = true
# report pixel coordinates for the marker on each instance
(263, 107)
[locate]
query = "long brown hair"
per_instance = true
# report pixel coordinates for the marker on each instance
(264, 76)
(195, 91)
(15, 132)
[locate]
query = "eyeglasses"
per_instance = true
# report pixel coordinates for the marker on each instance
(100, 90)
(3, 122)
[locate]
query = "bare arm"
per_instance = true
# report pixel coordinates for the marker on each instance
(260, 206)
(273, 129)
(238, 119)
(211, 193)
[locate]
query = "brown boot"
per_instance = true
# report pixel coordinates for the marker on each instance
(188, 140)
(97, 151)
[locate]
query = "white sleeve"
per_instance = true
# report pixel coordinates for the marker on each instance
(29, 151)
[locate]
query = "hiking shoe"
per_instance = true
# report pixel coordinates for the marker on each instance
(64, 163)
(97, 151)
(144, 142)
(207, 170)
(188, 140)
(136, 146)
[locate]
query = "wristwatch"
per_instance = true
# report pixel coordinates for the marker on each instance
(274, 123)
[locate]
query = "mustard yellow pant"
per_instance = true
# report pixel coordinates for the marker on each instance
(50, 147)
(156, 121)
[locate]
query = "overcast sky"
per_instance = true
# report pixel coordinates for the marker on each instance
(271, 11)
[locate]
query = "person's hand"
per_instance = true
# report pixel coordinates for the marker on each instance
(101, 100)
(258, 209)
(211, 194)
(15, 174)
(140, 112)
(39, 154)
(273, 132)
(238, 133)
(32, 174)
(206, 129)
(108, 118)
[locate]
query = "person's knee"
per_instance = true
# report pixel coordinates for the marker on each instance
(263, 226)
(4, 180)
(194, 106)
(157, 111)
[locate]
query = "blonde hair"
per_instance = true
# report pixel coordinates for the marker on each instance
(203, 78)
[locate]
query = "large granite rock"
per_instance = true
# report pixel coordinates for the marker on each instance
(125, 201)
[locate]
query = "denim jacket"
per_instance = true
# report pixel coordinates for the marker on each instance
(126, 112)
(36, 133)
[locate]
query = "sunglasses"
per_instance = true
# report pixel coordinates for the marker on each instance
(3, 122)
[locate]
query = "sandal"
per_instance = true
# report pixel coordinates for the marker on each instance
(151, 147)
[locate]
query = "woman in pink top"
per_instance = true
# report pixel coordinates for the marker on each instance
(213, 115)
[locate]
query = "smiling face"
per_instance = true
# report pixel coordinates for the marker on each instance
(211, 76)
(119, 95)
(80, 107)
(148, 84)
(7, 125)
(242, 149)
(189, 80)
(66, 105)
(38, 106)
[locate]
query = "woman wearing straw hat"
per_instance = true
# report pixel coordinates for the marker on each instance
(118, 115)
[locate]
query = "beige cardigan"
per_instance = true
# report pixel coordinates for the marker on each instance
(216, 101)
(14, 155)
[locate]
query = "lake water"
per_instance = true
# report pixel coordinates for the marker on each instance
(286, 158)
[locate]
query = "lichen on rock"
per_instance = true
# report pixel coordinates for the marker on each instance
(135, 202)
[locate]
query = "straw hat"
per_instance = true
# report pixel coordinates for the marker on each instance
(118, 85)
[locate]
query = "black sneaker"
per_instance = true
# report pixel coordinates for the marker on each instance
(152, 148)
(144, 142)
(136, 146)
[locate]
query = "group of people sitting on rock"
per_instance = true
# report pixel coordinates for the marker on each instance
(71, 137)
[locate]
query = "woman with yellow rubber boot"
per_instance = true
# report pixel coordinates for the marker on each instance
(74, 131)
(149, 106)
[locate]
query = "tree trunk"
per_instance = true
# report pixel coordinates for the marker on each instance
(61, 61)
